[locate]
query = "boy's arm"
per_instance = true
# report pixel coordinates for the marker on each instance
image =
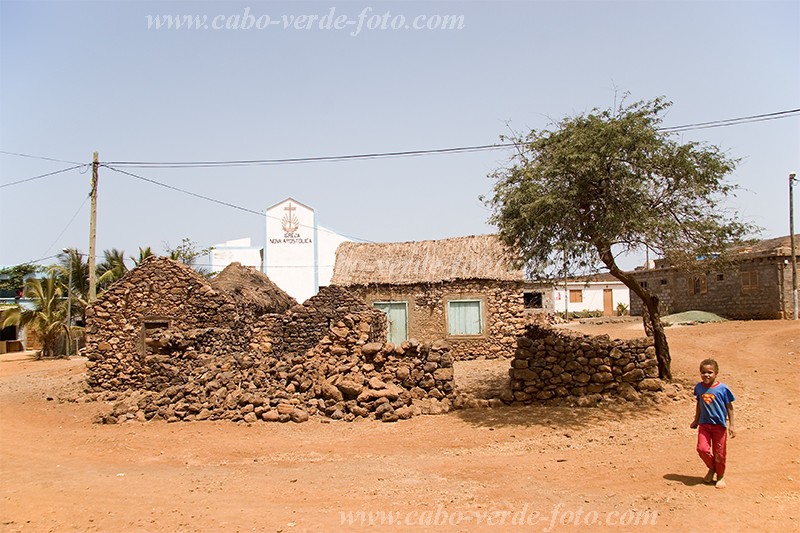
(696, 420)
(731, 430)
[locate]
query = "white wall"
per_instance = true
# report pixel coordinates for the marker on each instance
(592, 296)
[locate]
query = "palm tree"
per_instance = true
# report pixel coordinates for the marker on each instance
(144, 253)
(112, 267)
(73, 268)
(47, 318)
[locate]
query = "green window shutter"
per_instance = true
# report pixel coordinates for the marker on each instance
(397, 319)
(464, 317)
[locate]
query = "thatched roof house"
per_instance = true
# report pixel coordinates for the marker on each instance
(463, 290)
(403, 263)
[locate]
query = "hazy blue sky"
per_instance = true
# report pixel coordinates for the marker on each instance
(76, 77)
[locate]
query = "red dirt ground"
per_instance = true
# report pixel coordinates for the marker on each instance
(593, 469)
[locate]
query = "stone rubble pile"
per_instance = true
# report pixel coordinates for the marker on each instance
(551, 364)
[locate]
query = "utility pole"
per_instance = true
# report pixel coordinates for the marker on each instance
(69, 300)
(792, 179)
(93, 232)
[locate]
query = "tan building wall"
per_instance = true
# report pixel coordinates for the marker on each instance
(502, 306)
(758, 288)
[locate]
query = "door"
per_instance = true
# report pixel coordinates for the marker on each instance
(608, 302)
(397, 320)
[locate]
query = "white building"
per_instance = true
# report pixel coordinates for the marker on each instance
(601, 292)
(298, 254)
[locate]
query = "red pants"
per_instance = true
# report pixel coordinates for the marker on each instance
(711, 440)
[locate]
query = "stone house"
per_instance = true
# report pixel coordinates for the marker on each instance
(757, 285)
(462, 290)
(161, 295)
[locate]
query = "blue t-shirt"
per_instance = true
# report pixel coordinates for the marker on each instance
(713, 403)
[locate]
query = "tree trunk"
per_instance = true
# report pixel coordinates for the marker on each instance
(651, 304)
(659, 337)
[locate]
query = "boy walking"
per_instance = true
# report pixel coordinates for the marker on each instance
(714, 419)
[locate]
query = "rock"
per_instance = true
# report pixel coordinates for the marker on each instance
(371, 348)
(376, 383)
(626, 391)
(330, 392)
(298, 415)
(651, 384)
(637, 374)
(390, 416)
(271, 416)
(350, 389)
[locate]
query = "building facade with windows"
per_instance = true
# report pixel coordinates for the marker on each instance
(757, 284)
(461, 290)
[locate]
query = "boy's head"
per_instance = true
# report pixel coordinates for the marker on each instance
(712, 362)
(709, 369)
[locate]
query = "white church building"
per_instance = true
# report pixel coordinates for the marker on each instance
(298, 254)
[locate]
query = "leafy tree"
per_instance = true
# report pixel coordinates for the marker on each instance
(13, 278)
(610, 181)
(187, 253)
(47, 318)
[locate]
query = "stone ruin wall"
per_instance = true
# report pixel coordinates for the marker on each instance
(216, 361)
(504, 313)
(344, 377)
(552, 364)
(163, 294)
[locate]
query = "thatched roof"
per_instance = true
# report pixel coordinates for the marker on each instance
(481, 257)
(253, 288)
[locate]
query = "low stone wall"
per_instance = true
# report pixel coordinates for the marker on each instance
(344, 377)
(552, 364)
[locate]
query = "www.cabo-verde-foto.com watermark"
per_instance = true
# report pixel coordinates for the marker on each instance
(524, 516)
(368, 19)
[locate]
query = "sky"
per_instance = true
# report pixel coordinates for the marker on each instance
(78, 77)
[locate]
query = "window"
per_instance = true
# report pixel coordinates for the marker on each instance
(644, 284)
(699, 285)
(575, 296)
(750, 280)
(663, 282)
(720, 277)
(464, 317)
(533, 300)
(396, 320)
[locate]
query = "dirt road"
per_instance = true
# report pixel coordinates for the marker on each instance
(504, 469)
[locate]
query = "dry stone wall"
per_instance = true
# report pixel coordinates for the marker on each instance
(551, 364)
(344, 377)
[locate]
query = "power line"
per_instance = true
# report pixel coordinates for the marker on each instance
(418, 153)
(227, 204)
(41, 176)
(154, 182)
(732, 121)
(39, 157)
(71, 220)
(294, 160)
